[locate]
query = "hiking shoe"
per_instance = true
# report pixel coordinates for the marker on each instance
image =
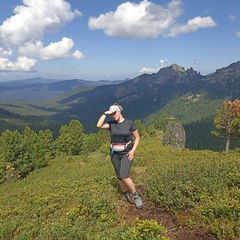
(125, 196)
(138, 201)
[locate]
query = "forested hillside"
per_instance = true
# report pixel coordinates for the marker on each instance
(197, 114)
(175, 91)
(65, 187)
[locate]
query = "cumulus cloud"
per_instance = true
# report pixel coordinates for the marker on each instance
(147, 20)
(162, 62)
(153, 70)
(148, 70)
(34, 19)
(57, 50)
(192, 26)
(78, 55)
(21, 64)
(6, 52)
(23, 32)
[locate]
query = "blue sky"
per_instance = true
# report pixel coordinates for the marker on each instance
(115, 39)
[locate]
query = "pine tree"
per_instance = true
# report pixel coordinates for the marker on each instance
(227, 122)
(70, 140)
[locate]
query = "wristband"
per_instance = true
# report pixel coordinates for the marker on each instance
(105, 114)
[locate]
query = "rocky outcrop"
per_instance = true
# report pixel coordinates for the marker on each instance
(175, 134)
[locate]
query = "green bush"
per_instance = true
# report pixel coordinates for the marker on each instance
(70, 199)
(76, 197)
(148, 229)
(203, 183)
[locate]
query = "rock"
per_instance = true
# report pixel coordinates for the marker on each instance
(175, 134)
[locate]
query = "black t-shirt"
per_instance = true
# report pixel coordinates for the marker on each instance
(122, 132)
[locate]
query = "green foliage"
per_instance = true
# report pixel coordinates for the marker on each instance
(226, 122)
(16, 115)
(103, 139)
(204, 184)
(157, 126)
(90, 143)
(70, 140)
(141, 128)
(75, 197)
(161, 122)
(22, 153)
(46, 144)
(191, 108)
(148, 229)
(71, 199)
(196, 112)
(10, 145)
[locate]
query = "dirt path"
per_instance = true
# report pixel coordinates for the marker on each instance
(150, 212)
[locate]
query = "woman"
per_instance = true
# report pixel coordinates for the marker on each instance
(122, 149)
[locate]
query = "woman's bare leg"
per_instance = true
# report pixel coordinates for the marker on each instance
(127, 185)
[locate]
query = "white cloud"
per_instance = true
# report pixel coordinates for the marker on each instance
(6, 52)
(31, 49)
(57, 50)
(21, 35)
(153, 70)
(78, 55)
(146, 20)
(192, 26)
(238, 34)
(21, 64)
(149, 70)
(162, 62)
(54, 50)
(137, 21)
(33, 20)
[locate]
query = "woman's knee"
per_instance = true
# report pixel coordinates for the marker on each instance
(123, 178)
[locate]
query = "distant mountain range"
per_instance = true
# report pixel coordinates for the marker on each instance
(174, 90)
(41, 89)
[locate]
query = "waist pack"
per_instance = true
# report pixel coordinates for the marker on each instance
(119, 147)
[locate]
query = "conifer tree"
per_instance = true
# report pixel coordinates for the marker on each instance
(70, 140)
(227, 122)
(10, 154)
(47, 144)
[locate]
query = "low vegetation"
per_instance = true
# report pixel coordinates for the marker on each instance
(65, 188)
(76, 197)
(73, 198)
(201, 188)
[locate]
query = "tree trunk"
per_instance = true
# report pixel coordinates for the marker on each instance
(227, 143)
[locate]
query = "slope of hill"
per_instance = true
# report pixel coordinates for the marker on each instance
(186, 94)
(187, 195)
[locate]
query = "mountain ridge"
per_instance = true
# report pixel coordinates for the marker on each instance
(196, 96)
(41, 89)
(148, 94)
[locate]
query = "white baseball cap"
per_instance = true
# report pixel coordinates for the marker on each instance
(114, 108)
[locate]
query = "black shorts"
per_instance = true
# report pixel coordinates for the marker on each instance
(121, 164)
